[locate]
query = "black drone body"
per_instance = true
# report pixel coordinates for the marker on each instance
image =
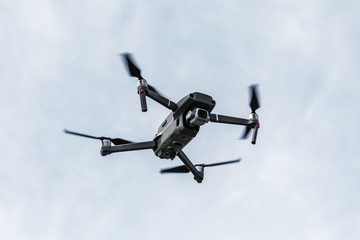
(180, 127)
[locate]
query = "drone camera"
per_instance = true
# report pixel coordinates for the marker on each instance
(197, 117)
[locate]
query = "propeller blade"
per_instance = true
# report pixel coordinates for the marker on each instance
(119, 141)
(221, 163)
(133, 70)
(179, 169)
(154, 89)
(115, 141)
(184, 169)
(254, 102)
(157, 91)
(246, 133)
(81, 134)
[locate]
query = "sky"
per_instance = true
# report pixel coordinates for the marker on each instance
(59, 68)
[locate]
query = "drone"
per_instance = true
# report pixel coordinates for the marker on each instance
(180, 126)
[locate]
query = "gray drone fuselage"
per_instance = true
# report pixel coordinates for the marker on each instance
(182, 125)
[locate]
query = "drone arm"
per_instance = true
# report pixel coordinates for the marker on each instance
(229, 120)
(106, 149)
(144, 89)
(252, 123)
(198, 176)
(162, 100)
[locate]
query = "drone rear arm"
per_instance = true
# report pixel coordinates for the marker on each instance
(198, 176)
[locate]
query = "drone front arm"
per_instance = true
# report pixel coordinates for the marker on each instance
(229, 120)
(162, 100)
(251, 123)
(198, 176)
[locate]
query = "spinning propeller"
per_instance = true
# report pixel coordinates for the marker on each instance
(143, 86)
(115, 141)
(133, 70)
(184, 169)
(253, 117)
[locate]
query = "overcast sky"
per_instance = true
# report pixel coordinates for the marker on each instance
(59, 68)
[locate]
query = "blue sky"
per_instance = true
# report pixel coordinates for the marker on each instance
(59, 68)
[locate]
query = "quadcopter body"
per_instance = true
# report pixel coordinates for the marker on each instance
(180, 127)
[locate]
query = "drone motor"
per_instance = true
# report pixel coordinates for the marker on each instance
(253, 117)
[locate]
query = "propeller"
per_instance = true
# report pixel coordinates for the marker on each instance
(184, 169)
(143, 86)
(115, 141)
(179, 169)
(254, 105)
(155, 90)
(133, 70)
(254, 102)
(246, 132)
